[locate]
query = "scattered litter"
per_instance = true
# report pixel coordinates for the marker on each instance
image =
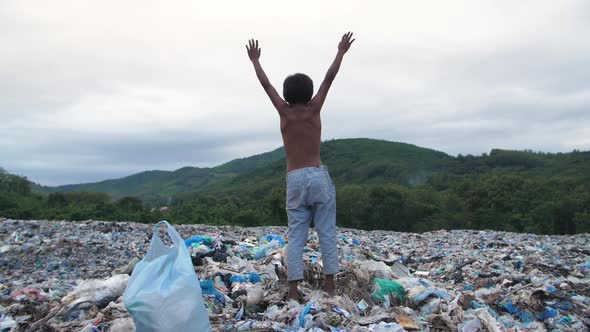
(340, 311)
(423, 295)
(407, 322)
(7, 323)
(362, 305)
(388, 327)
(69, 277)
(123, 325)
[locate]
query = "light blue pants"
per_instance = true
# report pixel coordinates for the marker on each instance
(311, 196)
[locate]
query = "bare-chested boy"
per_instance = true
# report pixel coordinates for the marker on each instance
(310, 190)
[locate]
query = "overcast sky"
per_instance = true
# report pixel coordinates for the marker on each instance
(92, 90)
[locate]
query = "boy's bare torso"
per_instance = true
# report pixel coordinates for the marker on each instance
(301, 128)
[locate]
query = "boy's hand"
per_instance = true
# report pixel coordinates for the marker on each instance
(345, 43)
(253, 50)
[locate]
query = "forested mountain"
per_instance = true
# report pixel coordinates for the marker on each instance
(380, 185)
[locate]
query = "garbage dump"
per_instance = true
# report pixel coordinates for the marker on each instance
(66, 276)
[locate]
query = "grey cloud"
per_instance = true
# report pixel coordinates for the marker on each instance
(67, 157)
(89, 98)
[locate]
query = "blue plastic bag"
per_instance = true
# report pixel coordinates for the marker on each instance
(237, 278)
(269, 237)
(163, 293)
(198, 239)
(208, 288)
(254, 277)
(430, 292)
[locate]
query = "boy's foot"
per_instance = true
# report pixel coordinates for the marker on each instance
(293, 295)
(298, 297)
(293, 290)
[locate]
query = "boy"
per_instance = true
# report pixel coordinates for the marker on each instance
(310, 190)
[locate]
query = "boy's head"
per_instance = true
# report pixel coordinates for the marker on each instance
(298, 89)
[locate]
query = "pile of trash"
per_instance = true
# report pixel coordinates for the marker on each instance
(65, 276)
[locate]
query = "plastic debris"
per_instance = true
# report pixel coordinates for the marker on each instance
(127, 269)
(461, 281)
(269, 238)
(400, 271)
(388, 327)
(28, 292)
(340, 311)
(255, 294)
(407, 322)
(7, 323)
(208, 289)
(196, 241)
(473, 325)
(362, 305)
(253, 277)
(98, 292)
(421, 296)
(385, 288)
(237, 278)
(122, 325)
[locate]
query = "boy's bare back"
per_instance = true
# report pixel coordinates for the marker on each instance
(301, 125)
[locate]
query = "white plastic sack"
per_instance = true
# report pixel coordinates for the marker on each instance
(164, 293)
(100, 292)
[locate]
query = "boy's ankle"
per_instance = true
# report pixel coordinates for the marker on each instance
(293, 290)
(329, 286)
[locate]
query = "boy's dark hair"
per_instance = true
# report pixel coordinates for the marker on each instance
(298, 89)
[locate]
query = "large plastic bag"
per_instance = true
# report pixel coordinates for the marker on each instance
(163, 293)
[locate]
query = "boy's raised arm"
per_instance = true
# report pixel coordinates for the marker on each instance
(254, 55)
(343, 47)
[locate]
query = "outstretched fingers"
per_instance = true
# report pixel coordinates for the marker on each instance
(252, 44)
(253, 49)
(347, 36)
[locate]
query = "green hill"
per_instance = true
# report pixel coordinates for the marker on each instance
(351, 161)
(380, 185)
(158, 187)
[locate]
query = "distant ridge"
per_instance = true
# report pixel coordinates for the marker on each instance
(351, 161)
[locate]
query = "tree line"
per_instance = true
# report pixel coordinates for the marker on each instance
(18, 201)
(507, 202)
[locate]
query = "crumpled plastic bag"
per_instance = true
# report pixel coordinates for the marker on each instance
(473, 325)
(99, 292)
(198, 240)
(7, 323)
(269, 238)
(385, 287)
(163, 293)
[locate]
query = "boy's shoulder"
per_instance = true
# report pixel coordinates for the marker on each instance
(310, 106)
(300, 108)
